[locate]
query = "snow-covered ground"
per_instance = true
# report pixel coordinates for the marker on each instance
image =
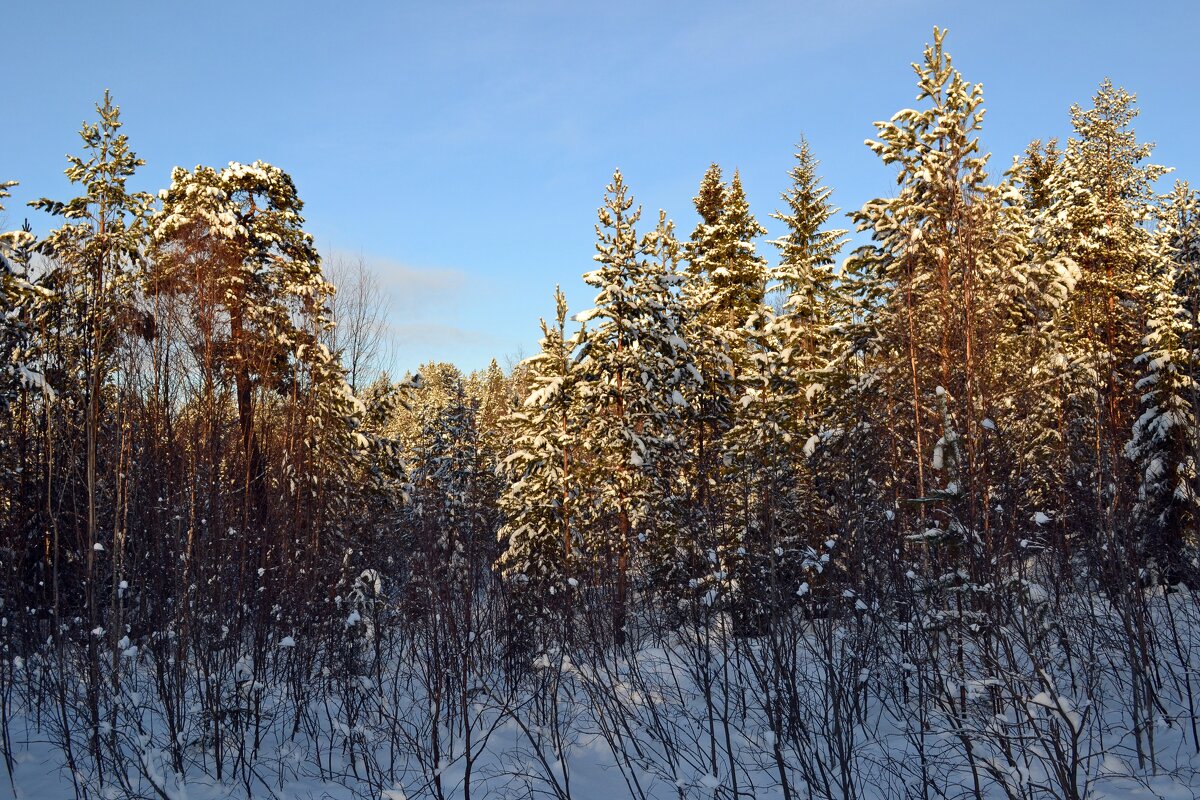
(814, 710)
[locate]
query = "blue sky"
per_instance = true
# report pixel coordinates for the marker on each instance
(463, 148)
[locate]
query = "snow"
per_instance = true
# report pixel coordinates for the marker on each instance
(517, 756)
(1037, 593)
(810, 446)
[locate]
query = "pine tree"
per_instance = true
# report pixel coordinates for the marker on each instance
(234, 238)
(284, 467)
(930, 286)
(98, 254)
(1099, 197)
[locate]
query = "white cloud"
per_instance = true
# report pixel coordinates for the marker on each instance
(425, 319)
(412, 290)
(434, 337)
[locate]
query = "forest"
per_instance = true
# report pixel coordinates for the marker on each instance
(913, 518)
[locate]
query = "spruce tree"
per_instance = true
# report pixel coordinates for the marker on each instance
(1035, 360)
(19, 297)
(709, 397)
(634, 377)
(452, 514)
(23, 392)
(778, 411)
(1166, 436)
(807, 251)
(670, 376)
(541, 529)
(722, 249)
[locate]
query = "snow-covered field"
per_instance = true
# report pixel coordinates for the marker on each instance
(1043, 708)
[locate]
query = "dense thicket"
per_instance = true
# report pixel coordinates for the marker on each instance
(947, 487)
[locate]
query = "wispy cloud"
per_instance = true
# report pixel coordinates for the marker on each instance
(411, 289)
(425, 310)
(431, 335)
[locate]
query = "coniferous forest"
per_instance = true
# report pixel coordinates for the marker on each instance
(915, 518)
